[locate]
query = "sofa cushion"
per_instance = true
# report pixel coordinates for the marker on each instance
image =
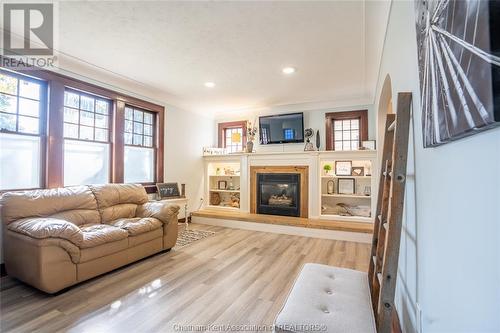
(41, 228)
(116, 201)
(329, 299)
(45, 203)
(137, 226)
(98, 234)
(145, 237)
(108, 195)
(103, 250)
(118, 212)
(79, 216)
(158, 209)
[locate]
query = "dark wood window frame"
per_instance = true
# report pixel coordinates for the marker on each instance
(143, 123)
(95, 114)
(330, 117)
(154, 134)
(42, 123)
(80, 110)
(53, 143)
(229, 125)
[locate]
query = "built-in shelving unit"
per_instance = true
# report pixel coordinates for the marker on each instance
(355, 204)
(223, 184)
(234, 170)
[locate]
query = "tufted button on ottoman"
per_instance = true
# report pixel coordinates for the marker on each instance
(312, 306)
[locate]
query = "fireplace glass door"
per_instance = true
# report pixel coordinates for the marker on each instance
(278, 194)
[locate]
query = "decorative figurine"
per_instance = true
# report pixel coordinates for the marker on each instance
(329, 187)
(308, 134)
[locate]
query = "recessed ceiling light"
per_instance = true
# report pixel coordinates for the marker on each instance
(289, 70)
(209, 84)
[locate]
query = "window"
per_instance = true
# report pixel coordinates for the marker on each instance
(288, 133)
(346, 130)
(86, 133)
(21, 131)
(232, 135)
(139, 155)
(57, 131)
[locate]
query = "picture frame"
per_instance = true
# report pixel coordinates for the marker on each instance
(346, 186)
(357, 171)
(222, 185)
(369, 144)
(457, 102)
(343, 168)
(168, 190)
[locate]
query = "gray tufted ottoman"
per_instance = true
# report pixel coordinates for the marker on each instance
(328, 299)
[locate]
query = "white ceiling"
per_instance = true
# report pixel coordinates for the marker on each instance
(172, 48)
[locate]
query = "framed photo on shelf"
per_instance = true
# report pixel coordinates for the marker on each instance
(343, 168)
(168, 190)
(358, 171)
(222, 185)
(368, 145)
(345, 186)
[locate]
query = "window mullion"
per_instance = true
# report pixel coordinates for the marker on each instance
(55, 142)
(117, 142)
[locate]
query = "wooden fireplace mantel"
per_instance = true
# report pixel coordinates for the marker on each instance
(304, 184)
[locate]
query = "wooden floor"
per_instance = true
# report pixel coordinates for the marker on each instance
(236, 277)
(362, 227)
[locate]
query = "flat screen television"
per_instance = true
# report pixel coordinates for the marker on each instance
(282, 128)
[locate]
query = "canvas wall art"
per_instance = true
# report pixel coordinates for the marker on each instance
(459, 67)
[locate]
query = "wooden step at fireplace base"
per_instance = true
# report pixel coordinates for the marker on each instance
(359, 227)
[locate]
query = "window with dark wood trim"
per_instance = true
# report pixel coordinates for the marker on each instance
(53, 136)
(86, 138)
(139, 127)
(86, 116)
(139, 134)
(22, 131)
(232, 135)
(346, 130)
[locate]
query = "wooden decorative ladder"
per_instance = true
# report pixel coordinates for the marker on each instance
(388, 220)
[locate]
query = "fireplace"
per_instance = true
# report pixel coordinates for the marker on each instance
(278, 194)
(279, 190)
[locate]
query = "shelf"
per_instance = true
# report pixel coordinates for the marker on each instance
(357, 196)
(222, 207)
(366, 177)
(225, 191)
(321, 224)
(224, 175)
(346, 218)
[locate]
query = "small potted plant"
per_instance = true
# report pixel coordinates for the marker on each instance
(328, 169)
(251, 132)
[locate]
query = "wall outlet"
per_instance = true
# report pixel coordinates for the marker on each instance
(419, 319)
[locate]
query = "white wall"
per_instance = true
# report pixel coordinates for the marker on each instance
(450, 251)
(186, 135)
(313, 118)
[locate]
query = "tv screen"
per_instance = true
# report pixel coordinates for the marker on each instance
(283, 128)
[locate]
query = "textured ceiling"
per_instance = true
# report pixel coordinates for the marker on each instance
(174, 47)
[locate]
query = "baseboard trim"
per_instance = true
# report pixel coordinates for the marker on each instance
(286, 230)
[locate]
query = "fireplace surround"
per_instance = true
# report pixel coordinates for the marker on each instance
(279, 190)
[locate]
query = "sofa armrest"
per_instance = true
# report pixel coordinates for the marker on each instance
(161, 210)
(41, 228)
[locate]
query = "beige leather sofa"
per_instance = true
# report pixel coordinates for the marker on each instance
(59, 237)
